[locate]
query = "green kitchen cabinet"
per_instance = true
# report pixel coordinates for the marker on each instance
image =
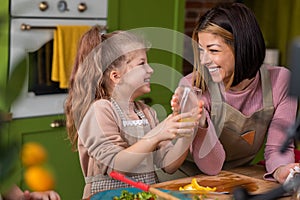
(163, 23)
(63, 162)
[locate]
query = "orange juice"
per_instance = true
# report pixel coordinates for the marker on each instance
(188, 119)
(184, 134)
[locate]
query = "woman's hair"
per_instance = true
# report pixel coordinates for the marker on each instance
(237, 25)
(97, 55)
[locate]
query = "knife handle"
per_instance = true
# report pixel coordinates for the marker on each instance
(124, 179)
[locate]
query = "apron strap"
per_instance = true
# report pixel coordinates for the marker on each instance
(217, 104)
(217, 115)
(266, 87)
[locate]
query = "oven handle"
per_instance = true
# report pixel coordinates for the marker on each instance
(58, 123)
(27, 27)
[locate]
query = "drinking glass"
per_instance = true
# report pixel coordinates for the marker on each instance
(188, 102)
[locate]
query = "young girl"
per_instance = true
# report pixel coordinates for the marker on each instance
(112, 131)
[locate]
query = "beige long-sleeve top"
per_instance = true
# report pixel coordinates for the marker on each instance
(101, 137)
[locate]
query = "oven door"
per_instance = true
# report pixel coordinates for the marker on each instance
(24, 45)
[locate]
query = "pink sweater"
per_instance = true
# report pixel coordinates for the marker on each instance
(247, 102)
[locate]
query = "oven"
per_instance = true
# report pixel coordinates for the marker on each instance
(32, 26)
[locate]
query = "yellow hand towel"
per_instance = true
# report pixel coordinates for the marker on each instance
(65, 43)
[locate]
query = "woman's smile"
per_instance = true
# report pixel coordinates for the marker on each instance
(213, 69)
(217, 56)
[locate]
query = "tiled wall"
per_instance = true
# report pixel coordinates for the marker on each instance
(194, 9)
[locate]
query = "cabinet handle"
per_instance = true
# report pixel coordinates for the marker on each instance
(5, 117)
(58, 123)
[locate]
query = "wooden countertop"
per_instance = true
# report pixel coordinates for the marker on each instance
(250, 177)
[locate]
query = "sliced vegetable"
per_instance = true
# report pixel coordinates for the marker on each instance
(195, 186)
(187, 187)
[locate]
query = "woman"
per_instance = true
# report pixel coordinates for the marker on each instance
(246, 103)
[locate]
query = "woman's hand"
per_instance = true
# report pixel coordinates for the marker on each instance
(47, 195)
(282, 172)
(175, 105)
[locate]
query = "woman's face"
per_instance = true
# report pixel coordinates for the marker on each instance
(216, 56)
(136, 77)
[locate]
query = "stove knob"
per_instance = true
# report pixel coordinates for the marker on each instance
(43, 5)
(82, 7)
(62, 6)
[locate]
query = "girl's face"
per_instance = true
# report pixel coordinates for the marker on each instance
(216, 56)
(137, 74)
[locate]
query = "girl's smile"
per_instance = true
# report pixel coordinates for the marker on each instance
(137, 74)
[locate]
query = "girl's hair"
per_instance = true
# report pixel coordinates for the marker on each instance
(237, 25)
(97, 55)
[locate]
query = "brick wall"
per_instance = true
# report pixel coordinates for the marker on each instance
(193, 10)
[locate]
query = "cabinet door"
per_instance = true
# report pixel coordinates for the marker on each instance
(167, 18)
(63, 161)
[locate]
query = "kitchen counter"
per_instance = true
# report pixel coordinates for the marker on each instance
(249, 177)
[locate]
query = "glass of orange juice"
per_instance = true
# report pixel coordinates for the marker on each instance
(188, 102)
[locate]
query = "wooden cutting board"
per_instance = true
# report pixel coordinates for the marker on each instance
(225, 181)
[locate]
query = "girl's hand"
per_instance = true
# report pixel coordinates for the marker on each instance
(47, 195)
(175, 126)
(282, 172)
